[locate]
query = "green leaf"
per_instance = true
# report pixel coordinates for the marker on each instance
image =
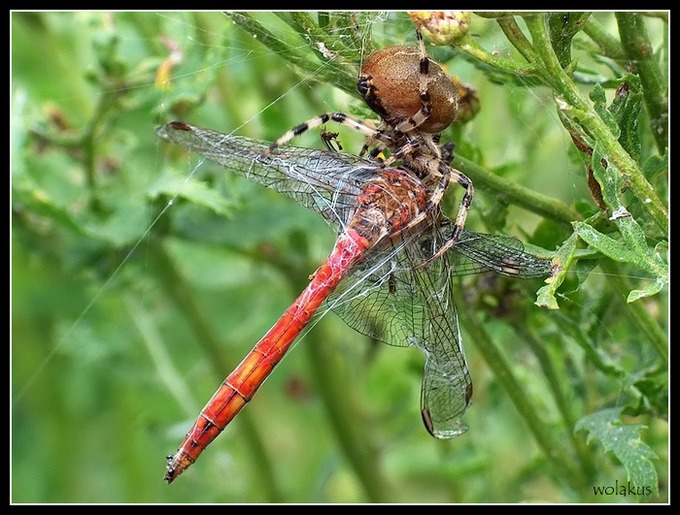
(624, 441)
(652, 388)
(607, 177)
(626, 108)
(647, 291)
(608, 246)
(597, 95)
(655, 165)
(196, 192)
(633, 250)
(39, 202)
(545, 297)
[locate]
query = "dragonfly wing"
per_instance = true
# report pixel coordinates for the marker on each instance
(388, 298)
(325, 182)
(476, 253)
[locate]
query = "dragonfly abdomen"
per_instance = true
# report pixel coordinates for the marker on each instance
(240, 386)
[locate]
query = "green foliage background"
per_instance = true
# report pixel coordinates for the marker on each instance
(139, 281)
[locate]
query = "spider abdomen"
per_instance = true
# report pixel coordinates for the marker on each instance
(389, 82)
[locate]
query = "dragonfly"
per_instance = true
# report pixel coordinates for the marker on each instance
(380, 277)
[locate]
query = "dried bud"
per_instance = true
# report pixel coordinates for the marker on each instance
(442, 27)
(468, 101)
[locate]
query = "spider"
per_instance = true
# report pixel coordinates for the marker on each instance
(416, 101)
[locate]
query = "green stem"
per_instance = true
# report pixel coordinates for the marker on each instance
(524, 197)
(641, 54)
(515, 35)
(86, 141)
(303, 23)
(562, 401)
(344, 411)
(541, 431)
(609, 45)
(494, 15)
(153, 341)
(579, 108)
(470, 46)
(315, 70)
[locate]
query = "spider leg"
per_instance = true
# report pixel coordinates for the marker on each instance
(376, 150)
(451, 174)
(424, 71)
(320, 120)
(446, 151)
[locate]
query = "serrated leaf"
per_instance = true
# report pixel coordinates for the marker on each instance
(605, 244)
(597, 95)
(624, 441)
(626, 108)
(545, 297)
(605, 174)
(652, 386)
(648, 291)
(633, 250)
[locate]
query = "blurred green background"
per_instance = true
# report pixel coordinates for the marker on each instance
(139, 281)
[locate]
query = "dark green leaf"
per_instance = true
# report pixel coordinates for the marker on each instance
(625, 442)
(597, 95)
(626, 108)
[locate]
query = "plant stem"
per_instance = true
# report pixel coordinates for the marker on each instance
(344, 412)
(609, 46)
(315, 70)
(579, 108)
(515, 35)
(561, 397)
(304, 24)
(503, 372)
(524, 197)
(470, 46)
(641, 55)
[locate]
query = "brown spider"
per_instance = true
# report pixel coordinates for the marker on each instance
(416, 101)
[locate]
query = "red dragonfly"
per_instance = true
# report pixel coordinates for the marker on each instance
(380, 277)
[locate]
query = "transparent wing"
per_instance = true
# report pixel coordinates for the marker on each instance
(388, 297)
(476, 252)
(326, 182)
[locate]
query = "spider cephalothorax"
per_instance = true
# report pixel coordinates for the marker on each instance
(415, 100)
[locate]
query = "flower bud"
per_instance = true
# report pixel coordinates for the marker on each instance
(442, 27)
